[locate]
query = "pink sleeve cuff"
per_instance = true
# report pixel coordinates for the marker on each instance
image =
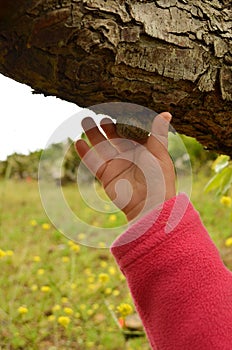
(163, 221)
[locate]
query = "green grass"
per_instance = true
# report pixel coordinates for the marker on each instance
(214, 215)
(77, 279)
(69, 274)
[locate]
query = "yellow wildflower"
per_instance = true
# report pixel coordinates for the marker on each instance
(46, 226)
(103, 264)
(90, 279)
(2, 253)
(124, 309)
(75, 247)
(33, 223)
(87, 271)
(51, 318)
(92, 286)
(73, 285)
(77, 315)
(112, 270)
(95, 223)
(64, 321)
(90, 344)
(226, 201)
(22, 310)
(103, 278)
(82, 307)
(40, 272)
(122, 277)
(56, 308)
(9, 252)
(34, 287)
(107, 207)
(81, 236)
(116, 292)
(95, 306)
(228, 242)
(112, 218)
(45, 289)
(64, 300)
(108, 291)
(65, 259)
(90, 312)
(68, 310)
(36, 258)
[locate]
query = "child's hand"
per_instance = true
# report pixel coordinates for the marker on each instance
(135, 177)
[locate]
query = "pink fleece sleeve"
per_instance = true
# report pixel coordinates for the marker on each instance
(180, 287)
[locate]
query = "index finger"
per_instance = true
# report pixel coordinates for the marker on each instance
(90, 158)
(104, 147)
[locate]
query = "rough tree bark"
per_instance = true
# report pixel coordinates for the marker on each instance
(170, 55)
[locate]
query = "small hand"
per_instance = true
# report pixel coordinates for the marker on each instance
(135, 177)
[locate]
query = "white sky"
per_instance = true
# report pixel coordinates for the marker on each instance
(27, 120)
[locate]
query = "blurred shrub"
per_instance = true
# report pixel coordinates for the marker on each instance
(199, 156)
(221, 182)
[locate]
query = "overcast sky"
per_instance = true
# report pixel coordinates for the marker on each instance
(28, 120)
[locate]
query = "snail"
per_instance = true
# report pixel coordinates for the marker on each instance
(132, 128)
(132, 121)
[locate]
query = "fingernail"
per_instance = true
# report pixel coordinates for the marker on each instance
(88, 123)
(167, 117)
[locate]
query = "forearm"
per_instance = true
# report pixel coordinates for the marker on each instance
(180, 286)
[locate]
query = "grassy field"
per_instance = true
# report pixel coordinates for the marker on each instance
(56, 294)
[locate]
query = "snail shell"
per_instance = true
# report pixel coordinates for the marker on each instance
(132, 128)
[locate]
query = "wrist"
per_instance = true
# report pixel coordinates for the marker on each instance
(144, 207)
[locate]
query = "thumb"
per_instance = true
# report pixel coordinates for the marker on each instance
(157, 143)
